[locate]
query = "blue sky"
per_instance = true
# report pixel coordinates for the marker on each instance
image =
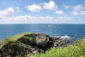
(42, 11)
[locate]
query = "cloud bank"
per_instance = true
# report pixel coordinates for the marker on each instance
(7, 15)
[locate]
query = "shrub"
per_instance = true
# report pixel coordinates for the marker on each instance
(76, 50)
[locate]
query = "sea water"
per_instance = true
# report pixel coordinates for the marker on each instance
(75, 31)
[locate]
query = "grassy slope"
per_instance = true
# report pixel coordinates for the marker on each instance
(76, 50)
(14, 38)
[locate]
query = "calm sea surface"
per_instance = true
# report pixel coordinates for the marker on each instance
(75, 31)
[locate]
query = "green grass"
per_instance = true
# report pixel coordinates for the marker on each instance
(14, 38)
(76, 50)
(32, 39)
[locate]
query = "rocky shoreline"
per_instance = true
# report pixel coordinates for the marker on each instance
(31, 44)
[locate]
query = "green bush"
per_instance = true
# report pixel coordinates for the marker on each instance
(76, 50)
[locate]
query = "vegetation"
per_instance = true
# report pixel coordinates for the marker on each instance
(14, 38)
(30, 38)
(15, 45)
(76, 50)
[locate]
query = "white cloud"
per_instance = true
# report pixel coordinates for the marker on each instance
(78, 10)
(50, 5)
(82, 12)
(27, 19)
(33, 19)
(59, 12)
(34, 8)
(5, 19)
(7, 11)
(10, 9)
(77, 7)
(66, 6)
(75, 13)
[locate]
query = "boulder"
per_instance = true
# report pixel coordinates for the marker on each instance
(14, 49)
(39, 41)
(61, 40)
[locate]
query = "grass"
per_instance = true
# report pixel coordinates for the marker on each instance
(76, 50)
(14, 38)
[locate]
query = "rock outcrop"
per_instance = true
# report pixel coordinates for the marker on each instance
(31, 43)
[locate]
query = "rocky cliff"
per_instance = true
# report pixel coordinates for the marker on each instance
(30, 43)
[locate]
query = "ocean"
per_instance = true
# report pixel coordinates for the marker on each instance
(75, 31)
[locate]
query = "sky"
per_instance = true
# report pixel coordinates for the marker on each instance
(42, 11)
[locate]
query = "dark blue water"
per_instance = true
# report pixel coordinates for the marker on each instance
(72, 30)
